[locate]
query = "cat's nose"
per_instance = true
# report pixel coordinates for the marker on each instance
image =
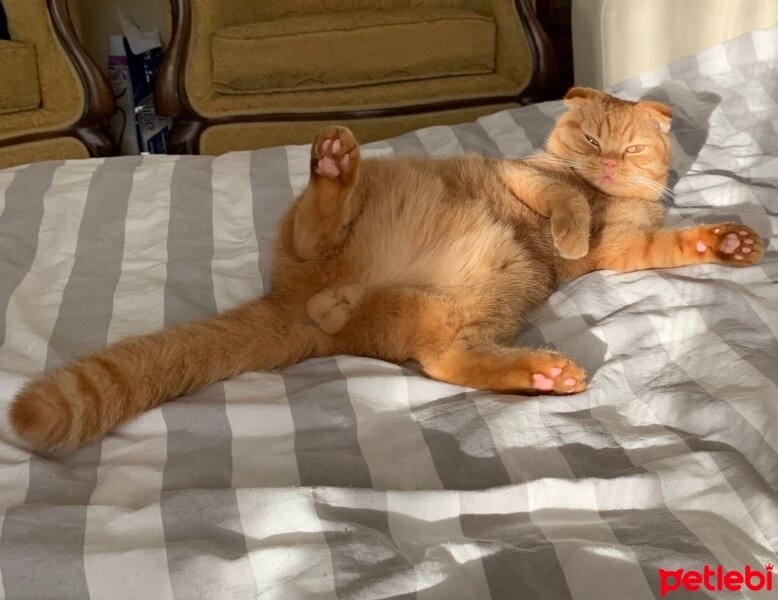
(609, 163)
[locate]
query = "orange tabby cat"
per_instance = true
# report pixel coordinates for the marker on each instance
(414, 258)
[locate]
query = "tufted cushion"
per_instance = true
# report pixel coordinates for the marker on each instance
(352, 49)
(19, 76)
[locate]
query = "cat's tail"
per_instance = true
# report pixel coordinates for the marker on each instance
(82, 401)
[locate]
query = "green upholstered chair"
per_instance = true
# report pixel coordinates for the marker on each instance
(243, 74)
(53, 99)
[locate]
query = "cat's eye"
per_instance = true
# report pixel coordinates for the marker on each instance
(634, 149)
(592, 141)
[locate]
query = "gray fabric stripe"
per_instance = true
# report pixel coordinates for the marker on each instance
(361, 544)
(741, 55)
(474, 139)
(407, 145)
(59, 490)
(326, 444)
(460, 443)
(767, 137)
(684, 68)
(535, 123)
(587, 446)
(271, 196)
(689, 134)
(730, 305)
(756, 494)
(198, 430)
(655, 536)
(86, 309)
(683, 406)
(518, 560)
(19, 224)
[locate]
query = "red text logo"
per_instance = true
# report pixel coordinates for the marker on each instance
(716, 579)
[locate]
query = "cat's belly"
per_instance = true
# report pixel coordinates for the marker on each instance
(450, 249)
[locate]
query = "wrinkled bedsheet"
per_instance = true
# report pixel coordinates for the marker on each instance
(348, 477)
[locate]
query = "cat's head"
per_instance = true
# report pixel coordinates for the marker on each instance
(620, 147)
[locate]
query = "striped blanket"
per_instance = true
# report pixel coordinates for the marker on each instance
(348, 477)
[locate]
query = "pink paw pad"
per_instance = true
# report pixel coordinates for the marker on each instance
(730, 244)
(542, 383)
(328, 167)
(745, 250)
(701, 247)
(749, 241)
(326, 145)
(336, 146)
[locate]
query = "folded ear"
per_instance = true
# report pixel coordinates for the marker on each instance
(578, 97)
(661, 113)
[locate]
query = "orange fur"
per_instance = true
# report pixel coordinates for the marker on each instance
(432, 260)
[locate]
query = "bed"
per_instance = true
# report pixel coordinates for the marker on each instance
(348, 477)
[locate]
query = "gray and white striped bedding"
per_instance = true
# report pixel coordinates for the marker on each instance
(353, 478)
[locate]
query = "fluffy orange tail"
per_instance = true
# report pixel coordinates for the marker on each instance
(82, 401)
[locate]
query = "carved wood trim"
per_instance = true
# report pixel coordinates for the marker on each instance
(170, 93)
(98, 97)
(171, 98)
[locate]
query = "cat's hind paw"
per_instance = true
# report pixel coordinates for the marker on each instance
(555, 374)
(335, 153)
(332, 308)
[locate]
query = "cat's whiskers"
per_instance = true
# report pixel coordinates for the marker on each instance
(643, 181)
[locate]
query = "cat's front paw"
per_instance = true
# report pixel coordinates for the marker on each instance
(335, 153)
(730, 243)
(570, 238)
(332, 308)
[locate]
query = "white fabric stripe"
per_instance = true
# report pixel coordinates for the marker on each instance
(6, 177)
(764, 44)
(520, 437)
(754, 287)
(713, 61)
(235, 274)
(561, 323)
(629, 414)
(385, 425)
(440, 141)
(39, 294)
(376, 150)
(298, 159)
(33, 307)
(647, 450)
(510, 139)
(286, 545)
(124, 536)
(257, 409)
(693, 349)
(236, 279)
(566, 512)
(655, 77)
(426, 528)
(551, 109)
(701, 498)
